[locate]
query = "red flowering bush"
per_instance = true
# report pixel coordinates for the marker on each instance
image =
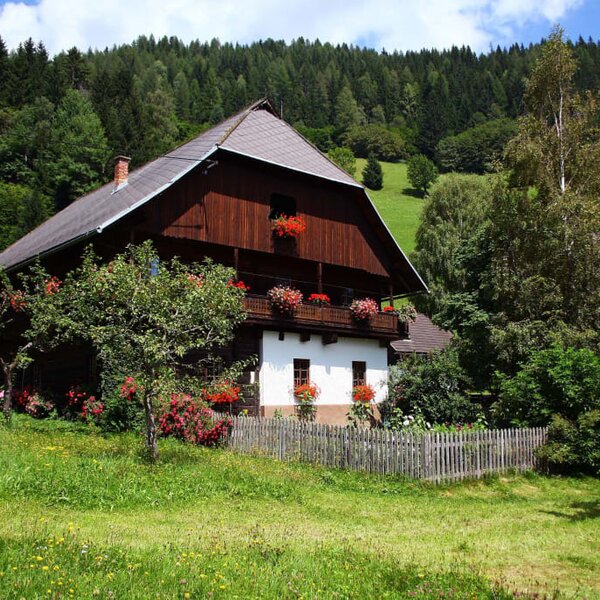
(190, 420)
(240, 285)
(222, 393)
(92, 409)
(288, 227)
(17, 301)
(406, 312)
(364, 309)
(363, 393)
(319, 299)
(129, 389)
(285, 299)
(37, 407)
(390, 309)
(21, 397)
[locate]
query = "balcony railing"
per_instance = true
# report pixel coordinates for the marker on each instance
(329, 318)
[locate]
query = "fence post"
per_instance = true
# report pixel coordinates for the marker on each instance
(426, 456)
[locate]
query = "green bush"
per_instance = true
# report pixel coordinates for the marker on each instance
(421, 173)
(475, 150)
(556, 380)
(343, 158)
(433, 387)
(573, 446)
(375, 139)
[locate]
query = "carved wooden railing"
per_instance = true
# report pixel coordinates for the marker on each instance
(327, 317)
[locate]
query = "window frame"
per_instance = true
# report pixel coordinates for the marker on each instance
(301, 371)
(359, 367)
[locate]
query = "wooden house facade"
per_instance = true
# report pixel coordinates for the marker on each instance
(216, 197)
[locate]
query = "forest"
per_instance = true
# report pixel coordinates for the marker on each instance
(64, 118)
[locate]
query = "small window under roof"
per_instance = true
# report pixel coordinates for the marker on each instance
(282, 205)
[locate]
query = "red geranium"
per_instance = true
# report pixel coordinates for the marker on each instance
(363, 393)
(240, 285)
(223, 393)
(17, 301)
(320, 299)
(288, 227)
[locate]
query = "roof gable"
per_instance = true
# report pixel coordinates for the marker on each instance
(256, 132)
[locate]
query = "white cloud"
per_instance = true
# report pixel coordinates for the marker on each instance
(393, 24)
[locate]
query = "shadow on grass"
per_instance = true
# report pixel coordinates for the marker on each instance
(583, 511)
(412, 192)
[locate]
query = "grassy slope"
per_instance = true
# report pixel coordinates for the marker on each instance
(396, 203)
(81, 513)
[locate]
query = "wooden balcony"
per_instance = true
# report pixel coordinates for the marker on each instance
(332, 319)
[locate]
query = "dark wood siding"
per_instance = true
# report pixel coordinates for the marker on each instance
(229, 205)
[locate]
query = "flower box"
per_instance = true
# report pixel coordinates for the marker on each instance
(288, 226)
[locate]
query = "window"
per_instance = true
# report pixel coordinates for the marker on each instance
(359, 373)
(301, 371)
(282, 205)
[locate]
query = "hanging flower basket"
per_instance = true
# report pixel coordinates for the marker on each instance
(364, 310)
(284, 299)
(319, 299)
(288, 227)
(407, 312)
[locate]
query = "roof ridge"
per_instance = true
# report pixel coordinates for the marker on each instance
(247, 111)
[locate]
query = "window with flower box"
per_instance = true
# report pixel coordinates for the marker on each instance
(301, 371)
(359, 373)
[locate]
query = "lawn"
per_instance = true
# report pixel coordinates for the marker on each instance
(83, 517)
(397, 203)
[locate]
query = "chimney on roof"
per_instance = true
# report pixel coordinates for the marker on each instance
(121, 172)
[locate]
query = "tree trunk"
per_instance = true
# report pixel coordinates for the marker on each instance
(8, 392)
(151, 433)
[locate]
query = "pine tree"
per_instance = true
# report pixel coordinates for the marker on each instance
(372, 174)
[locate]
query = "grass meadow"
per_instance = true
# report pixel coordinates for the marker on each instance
(398, 204)
(84, 517)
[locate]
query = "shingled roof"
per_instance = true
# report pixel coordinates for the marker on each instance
(424, 337)
(257, 132)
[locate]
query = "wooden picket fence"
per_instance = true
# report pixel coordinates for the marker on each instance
(436, 457)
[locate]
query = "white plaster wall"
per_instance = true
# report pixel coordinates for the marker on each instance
(330, 367)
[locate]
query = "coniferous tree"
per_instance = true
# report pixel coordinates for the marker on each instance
(372, 174)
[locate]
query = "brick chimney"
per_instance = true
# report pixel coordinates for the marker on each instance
(121, 172)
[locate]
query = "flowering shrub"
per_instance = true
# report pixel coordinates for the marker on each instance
(240, 285)
(52, 286)
(129, 389)
(320, 299)
(285, 299)
(190, 420)
(37, 407)
(418, 424)
(196, 279)
(363, 393)
(305, 395)
(21, 397)
(223, 393)
(17, 301)
(288, 227)
(364, 309)
(390, 309)
(92, 409)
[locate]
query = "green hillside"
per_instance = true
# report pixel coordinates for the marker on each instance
(400, 209)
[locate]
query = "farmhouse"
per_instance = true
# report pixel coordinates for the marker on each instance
(218, 196)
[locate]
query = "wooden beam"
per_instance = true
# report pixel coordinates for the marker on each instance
(391, 294)
(236, 260)
(304, 336)
(329, 338)
(320, 277)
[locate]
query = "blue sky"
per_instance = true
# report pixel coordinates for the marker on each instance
(393, 24)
